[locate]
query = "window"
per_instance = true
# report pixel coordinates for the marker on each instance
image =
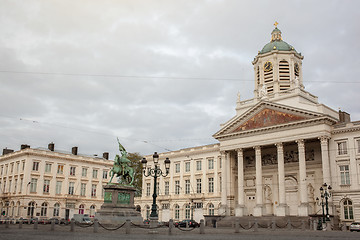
(210, 164)
(166, 188)
(15, 186)
(211, 185)
(35, 166)
(31, 207)
(95, 172)
(187, 186)
(177, 187)
(83, 189)
(12, 168)
(58, 187)
(177, 167)
(342, 148)
(81, 209)
(348, 209)
(17, 167)
(72, 171)
(198, 205)
(166, 206)
(84, 172)
(177, 212)
(71, 188)
(147, 212)
(105, 174)
(147, 189)
(23, 165)
(187, 167)
(56, 210)
(33, 185)
(92, 211)
(358, 145)
(60, 169)
(198, 165)
(187, 212)
(345, 175)
(46, 186)
(4, 190)
(220, 183)
(43, 212)
(10, 181)
(198, 185)
(21, 184)
(93, 190)
(211, 209)
(48, 167)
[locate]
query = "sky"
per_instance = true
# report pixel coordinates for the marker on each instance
(159, 75)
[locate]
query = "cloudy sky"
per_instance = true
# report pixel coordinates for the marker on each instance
(160, 75)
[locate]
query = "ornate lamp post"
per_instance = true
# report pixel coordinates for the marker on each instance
(155, 173)
(322, 205)
(325, 194)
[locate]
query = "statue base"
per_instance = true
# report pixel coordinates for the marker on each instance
(118, 206)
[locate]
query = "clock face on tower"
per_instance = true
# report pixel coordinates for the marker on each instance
(268, 66)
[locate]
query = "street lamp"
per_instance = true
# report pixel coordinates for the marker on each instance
(155, 173)
(325, 194)
(191, 204)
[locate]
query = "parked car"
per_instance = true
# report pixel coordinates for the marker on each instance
(44, 221)
(57, 221)
(146, 221)
(355, 226)
(191, 223)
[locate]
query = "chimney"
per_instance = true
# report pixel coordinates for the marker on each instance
(106, 155)
(6, 151)
(344, 117)
(74, 150)
(23, 146)
(51, 146)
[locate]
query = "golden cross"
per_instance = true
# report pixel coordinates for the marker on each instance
(276, 23)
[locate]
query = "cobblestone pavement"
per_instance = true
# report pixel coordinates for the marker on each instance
(63, 232)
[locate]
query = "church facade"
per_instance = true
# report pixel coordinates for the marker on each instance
(273, 156)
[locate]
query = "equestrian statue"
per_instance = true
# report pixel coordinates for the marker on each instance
(121, 167)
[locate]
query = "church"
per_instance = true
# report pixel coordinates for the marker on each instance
(282, 154)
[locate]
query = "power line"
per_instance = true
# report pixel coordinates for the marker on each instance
(154, 77)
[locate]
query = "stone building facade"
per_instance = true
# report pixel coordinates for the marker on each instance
(45, 183)
(273, 155)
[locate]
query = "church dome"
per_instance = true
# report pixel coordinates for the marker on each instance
(276, 43)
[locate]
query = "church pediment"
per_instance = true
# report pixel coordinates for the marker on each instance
(264, 115)
(268, 117)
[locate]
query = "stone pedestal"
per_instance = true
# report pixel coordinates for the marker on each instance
(118, 206)
(282, 210)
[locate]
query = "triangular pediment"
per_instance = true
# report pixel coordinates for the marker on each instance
(264, 115)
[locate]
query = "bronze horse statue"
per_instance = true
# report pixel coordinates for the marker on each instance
(121, 167)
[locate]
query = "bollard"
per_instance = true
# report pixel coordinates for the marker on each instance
(289, 225)
(202, 226)
(171, 225)
(96, 225)
(255, 226)
(237, 225)
(20, 223)
(127, 226)
(343, 227)
(273, 225)
(72, 225)
(7, 224)
(52, 225)
(186, 224)
(36, 223)
(314, 225)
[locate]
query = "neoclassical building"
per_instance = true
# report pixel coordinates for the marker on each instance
(46, 183)
(273, 155)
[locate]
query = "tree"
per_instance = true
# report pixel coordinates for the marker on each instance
(135, 163)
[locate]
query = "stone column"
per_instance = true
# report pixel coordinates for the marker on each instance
(223, 206)
(325, 160)
(228, 183)
(303, 208)
(282, 209)
(240, 208)
(258, 210)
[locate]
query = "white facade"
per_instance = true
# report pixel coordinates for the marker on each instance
(273, 155)
(43, 183)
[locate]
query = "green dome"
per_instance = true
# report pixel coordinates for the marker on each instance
(276, 43)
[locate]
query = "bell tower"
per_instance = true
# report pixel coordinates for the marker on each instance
(277, 68)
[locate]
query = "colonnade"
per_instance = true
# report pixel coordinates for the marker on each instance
(282, 207)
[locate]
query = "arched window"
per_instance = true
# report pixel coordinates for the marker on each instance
(81, 209)
(31, 207)
(43, 212)
(348, 209)
(12, 208)
(177, 211)
(147, 212)
(18, 208)
(92, 211)
(56, 209)
(211, 209)
(187, 211)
